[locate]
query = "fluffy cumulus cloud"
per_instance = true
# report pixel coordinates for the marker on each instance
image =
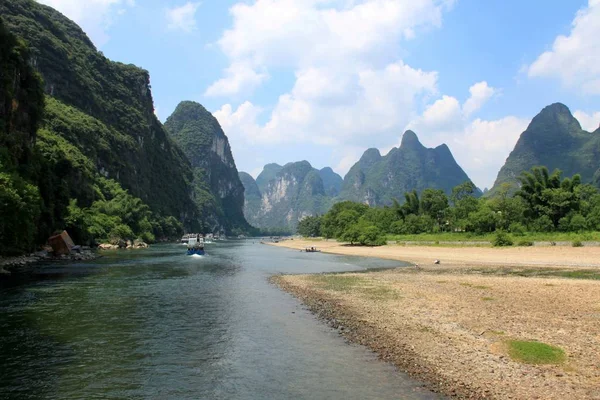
(327, 107)
(351, 90)
(94, 16)
(239, 78)
(589, 122)
(182, 18)
(479, 146)
(302, 34)
(575, 58)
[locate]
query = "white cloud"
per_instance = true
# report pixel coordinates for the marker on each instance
(351, 89)
(480, 94)
(483, 146)
(182, 18)
(94, 16)
(363, 106)
(239, 78)
(302, 34)
(589, 122)
(575, 59)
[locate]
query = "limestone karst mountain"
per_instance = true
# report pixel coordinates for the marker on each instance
(554, 139)
(283, 195)
(377, 179)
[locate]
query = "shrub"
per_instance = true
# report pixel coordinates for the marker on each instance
(502, 239)
(517, 229)
(120, 232)
(372, 236)
(577, 243)
(525, 243)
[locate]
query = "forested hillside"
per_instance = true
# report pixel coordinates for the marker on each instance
(217, 190)
(379, 180)
(555, 139)
(81, 148)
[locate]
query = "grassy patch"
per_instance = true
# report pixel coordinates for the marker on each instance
(488, 299)
(338, 283)
(590, 274)
(465, 284)
(530, 352)
(356, 284)
(432, 238)
(500, 333)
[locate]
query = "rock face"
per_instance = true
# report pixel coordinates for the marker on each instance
(554, 139)
(101, 109)
(283, 195)
(377, 180)
(218, 191)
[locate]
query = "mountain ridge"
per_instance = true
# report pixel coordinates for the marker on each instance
(378, 180)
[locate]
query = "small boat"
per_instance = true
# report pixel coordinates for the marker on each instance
(312, 250)
(195, 246)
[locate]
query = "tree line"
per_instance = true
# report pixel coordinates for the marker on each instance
(542, 202)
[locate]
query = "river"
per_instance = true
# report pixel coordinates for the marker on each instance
(156, 324)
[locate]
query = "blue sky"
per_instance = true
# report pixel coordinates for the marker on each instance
(323, 80)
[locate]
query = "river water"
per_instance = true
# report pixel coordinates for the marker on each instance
(156, 324)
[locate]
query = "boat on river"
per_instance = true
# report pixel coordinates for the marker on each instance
(195, 246)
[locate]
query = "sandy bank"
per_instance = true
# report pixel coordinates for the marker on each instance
(449, 324)
(464, 256)
(451, 330)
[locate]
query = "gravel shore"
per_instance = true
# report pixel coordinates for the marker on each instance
(449, 324)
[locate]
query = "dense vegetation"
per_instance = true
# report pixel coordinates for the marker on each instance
(282, 195)
(544, 203)
(377, 180)
(111, 101)
(217, 190)
(55, 158)
(554, 138)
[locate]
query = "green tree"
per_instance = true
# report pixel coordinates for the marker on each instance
(310, 226)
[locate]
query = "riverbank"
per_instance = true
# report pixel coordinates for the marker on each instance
(452, 324)
(25, 263)
(463, 256)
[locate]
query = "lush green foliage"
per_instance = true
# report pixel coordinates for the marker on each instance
(502, 239)
(20, 207)
(310, 226)
(118, 215)
(21, 105)
(100, 109)
(545, 203)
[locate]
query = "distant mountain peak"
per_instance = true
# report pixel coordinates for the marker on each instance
(377, 180)
(281, 196)
(557, 114)
(410, 140)
(555, 139)
(370, 155)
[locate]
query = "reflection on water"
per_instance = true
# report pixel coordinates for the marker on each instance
(155, 324)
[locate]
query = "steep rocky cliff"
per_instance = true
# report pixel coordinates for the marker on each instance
(288, 193)
(218, 191)
(377, 180)
(554, 139)
(128, 143)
